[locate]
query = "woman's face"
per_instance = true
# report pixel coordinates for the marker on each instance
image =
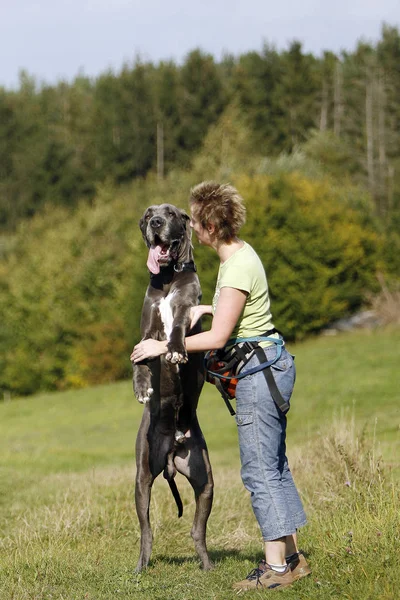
(201, 232)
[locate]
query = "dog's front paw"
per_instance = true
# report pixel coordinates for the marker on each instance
(177, 357)
(144, 398)
(142, 383)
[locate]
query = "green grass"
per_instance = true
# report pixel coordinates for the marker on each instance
(68, 528)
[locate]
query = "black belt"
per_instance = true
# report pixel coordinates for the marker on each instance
(269, 377)
(244, 352)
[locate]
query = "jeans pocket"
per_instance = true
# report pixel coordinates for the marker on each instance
(284, 363)
(281, 365)
(245, 424)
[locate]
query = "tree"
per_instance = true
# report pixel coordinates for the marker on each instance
(255, 80)
(124, 124)
(202, 99)
(167, 100)
(297, 94)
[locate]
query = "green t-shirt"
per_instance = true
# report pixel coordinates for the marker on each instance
(244, 271)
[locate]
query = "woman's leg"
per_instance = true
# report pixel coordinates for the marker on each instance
(276, 551)
(265, 472)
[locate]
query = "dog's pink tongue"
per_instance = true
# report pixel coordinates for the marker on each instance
(152, 261)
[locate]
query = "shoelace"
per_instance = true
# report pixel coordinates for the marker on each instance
(256, 574)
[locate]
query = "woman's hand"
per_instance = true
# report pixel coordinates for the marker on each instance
(196, 312)
(148, 349)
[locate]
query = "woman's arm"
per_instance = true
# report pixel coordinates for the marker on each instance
(230, 306)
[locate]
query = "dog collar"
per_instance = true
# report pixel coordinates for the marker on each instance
(186, 266)
(166, 273)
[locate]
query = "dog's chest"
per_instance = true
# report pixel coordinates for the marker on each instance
(165, 308)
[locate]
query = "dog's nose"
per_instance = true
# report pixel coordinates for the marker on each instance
(156, 222)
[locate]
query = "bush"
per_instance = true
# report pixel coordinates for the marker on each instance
(319, 254)
(67, 295)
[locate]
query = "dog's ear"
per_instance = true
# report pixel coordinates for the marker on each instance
(143, 225)
(186, 222)
(184, 214)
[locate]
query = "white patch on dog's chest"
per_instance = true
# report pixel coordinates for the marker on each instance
(167, 318)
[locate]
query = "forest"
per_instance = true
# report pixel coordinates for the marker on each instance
(312, 143)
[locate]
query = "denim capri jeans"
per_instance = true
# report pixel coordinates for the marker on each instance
(262, 441)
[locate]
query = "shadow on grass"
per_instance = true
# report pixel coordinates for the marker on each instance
(216, 557)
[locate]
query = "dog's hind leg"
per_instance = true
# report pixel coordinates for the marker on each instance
(142, 500)
(204, 497)
(192, 461)
(143, 485)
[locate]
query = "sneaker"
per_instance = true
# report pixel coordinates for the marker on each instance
(298, 566)
(263, 577)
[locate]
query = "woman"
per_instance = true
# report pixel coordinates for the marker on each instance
(241, 309)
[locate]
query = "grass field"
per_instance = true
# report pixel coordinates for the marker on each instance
(67, 521)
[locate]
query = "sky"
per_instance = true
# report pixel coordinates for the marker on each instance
(57, 40)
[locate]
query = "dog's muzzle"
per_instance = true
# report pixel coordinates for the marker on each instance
(161, 252)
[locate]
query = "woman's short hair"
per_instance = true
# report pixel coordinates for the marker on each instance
(219, 204)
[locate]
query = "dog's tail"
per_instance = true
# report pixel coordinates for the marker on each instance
(169, 474)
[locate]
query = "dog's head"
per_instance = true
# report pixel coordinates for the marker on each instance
(166, 231)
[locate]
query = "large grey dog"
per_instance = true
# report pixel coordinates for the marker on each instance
(169, 438)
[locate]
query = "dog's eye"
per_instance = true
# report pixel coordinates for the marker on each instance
(147, 217)
(171, 214)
